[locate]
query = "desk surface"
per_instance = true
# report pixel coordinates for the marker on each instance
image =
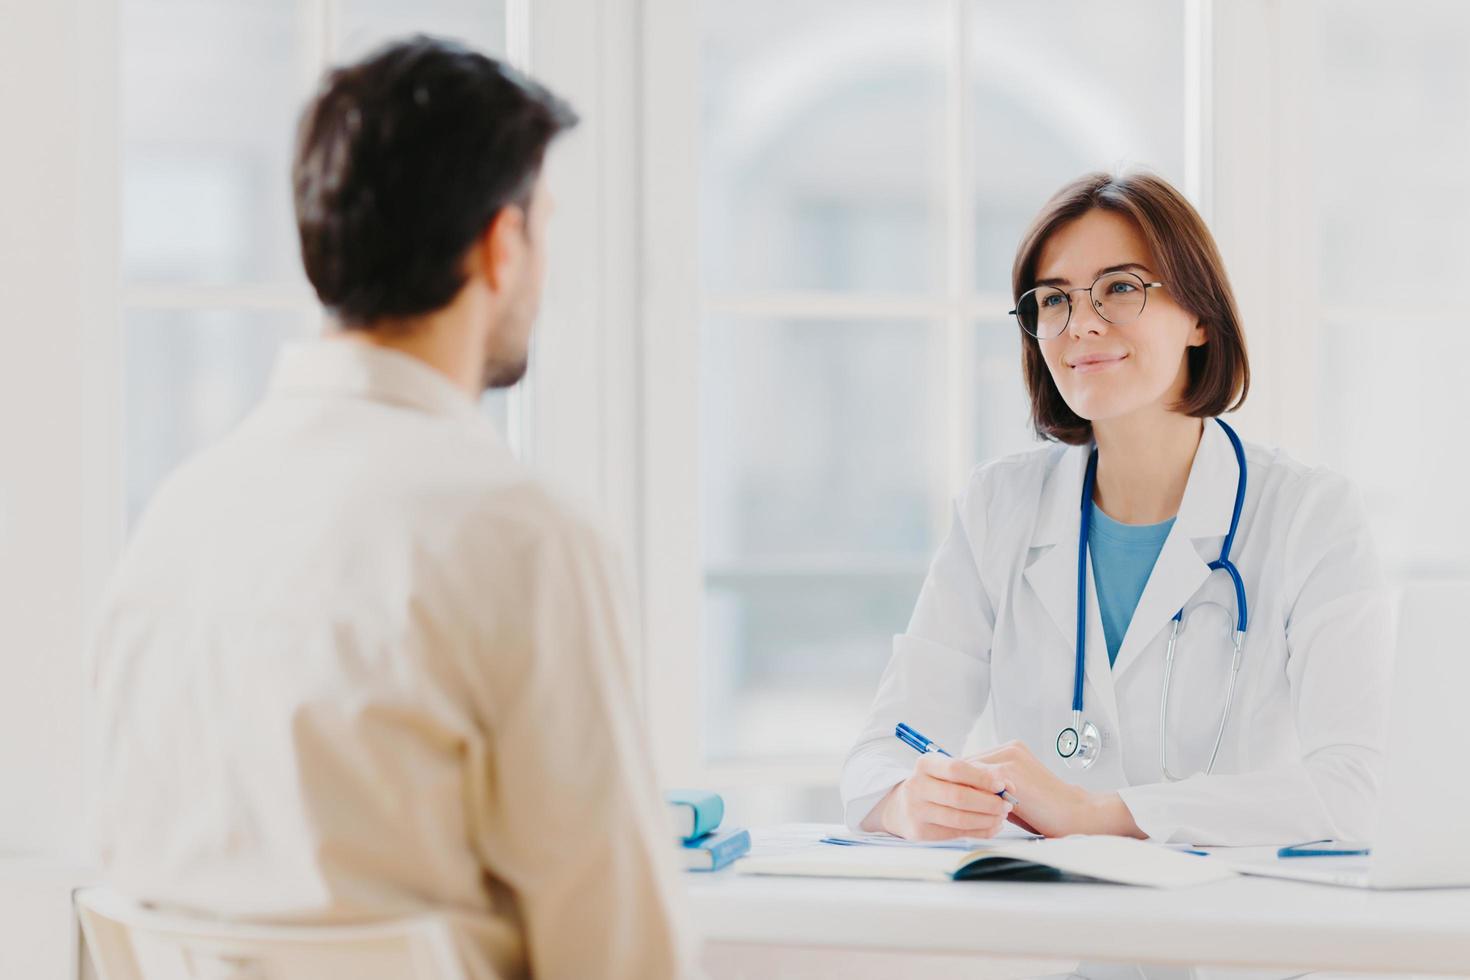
(1240, 922)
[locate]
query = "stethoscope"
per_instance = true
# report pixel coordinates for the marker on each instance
(1081, 742)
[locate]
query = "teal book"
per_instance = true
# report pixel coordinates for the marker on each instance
(693, 813)
(714, 851)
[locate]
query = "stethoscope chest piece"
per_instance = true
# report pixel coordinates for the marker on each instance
(1079, 746)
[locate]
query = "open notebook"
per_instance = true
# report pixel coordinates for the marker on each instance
(1121, 860)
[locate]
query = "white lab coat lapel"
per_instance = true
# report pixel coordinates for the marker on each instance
(1204, 518)
(1053, 577)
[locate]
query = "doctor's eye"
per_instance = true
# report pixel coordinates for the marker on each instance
(1116, 285)
(1043, 312)
(1118, 296)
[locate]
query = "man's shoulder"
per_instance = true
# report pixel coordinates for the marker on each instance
(406, 481)
(541, 533)
(533, 507)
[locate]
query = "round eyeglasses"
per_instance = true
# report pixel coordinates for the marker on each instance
(1118, 297)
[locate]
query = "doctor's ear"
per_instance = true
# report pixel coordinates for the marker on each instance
(1199, 336)
(501, 249)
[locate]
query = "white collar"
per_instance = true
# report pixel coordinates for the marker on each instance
(1204, 511)
(341, 367)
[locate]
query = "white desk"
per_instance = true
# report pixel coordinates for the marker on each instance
(1252, 922)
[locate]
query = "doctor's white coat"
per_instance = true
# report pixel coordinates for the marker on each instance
(996, 624)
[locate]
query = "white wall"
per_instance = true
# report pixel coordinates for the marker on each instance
(52, 248)
(38, 931)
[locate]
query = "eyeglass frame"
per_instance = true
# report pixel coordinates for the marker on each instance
(1072, 307)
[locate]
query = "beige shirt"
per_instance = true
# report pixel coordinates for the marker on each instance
(356, 663)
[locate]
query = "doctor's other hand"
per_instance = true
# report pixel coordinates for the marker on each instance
(943, 798)
(1051, 806)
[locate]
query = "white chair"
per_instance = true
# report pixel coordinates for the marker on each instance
(130, 942)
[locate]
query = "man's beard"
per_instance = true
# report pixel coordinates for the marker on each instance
(503, 373)
(502, 369)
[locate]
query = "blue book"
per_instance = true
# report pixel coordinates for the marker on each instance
(693, 813)
(713, 851)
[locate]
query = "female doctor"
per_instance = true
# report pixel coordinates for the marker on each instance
(1225, 680)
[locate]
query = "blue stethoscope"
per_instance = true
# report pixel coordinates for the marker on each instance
(1081, 742)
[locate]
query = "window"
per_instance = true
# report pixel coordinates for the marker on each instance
(1385, 266)
(211, 276)
(867, 169)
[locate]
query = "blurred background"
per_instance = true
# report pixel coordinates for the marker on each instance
(775, 339)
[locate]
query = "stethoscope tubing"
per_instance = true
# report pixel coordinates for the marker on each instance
(1223, 563)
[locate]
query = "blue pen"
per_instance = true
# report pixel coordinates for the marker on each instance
(911, 737)
(1323, 848)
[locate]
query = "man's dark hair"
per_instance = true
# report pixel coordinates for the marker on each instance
(402, 161)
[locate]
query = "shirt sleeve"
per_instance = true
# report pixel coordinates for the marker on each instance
(938, 679)
(575, 826)
(1339, 663)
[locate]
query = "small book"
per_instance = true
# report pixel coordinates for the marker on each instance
(693, 813)
(1121, 860)
(713, 851)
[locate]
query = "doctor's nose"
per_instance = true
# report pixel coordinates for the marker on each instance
(1085, 317)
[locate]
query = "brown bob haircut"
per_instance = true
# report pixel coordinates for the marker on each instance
(1189, 265)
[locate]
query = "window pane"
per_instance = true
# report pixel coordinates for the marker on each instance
(189, 378)
(823, 488)
(1396, 447)
(1061, 88)
(820, 439)
(210, 95)
(1002, 407)
(792, 661)
(823, 145)
(1393, 208)
(1393, 254)
(366, 24)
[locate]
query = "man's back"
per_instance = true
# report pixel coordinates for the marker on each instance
(356, 664)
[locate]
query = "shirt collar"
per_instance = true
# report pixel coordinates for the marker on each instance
(342, 367)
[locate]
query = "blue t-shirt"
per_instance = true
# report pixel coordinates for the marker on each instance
(1123, 555)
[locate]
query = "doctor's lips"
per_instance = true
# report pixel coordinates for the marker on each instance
(1087, 363)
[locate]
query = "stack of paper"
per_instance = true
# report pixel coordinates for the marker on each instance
(1113, 859)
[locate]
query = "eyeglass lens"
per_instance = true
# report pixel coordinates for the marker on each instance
(1118, 298)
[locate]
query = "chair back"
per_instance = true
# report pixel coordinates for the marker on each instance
(127, 941)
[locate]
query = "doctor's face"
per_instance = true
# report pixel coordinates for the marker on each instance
(1107, 370)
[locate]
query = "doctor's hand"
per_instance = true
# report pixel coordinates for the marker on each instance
(943, 798)
(1051, 806)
